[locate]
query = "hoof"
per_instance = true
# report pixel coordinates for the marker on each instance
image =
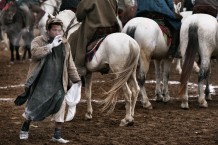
(204, 104)
(148, 106)
(185, 106)
(88, 116)
(209, 98)
(159, 99)
(166, 99)
(125, 122)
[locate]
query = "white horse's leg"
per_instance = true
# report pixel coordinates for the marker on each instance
(128, 120)
(196, 68)
(135, 91)
(203, 75)
(158, 76)
(184, 104)
(166, 72)
(141, 72)
(88, 93)
(178, 65)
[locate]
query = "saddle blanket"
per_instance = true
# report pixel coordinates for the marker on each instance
(167, 35)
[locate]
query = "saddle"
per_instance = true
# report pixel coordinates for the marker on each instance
(205, 9)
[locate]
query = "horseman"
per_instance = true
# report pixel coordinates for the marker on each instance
(162, 11)
(98, 19)
(188, 5)
(69, 5)
(30, 6)
(126, 10)
(206, 6)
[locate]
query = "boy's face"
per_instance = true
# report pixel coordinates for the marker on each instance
(55, 30)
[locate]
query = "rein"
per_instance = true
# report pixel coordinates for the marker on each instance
(70, 26)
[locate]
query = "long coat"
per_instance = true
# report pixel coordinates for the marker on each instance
(164, 7)
(69, 4)
(93, 14)
(40, 51)
(213, 3)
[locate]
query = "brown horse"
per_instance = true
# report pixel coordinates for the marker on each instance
(13, 23)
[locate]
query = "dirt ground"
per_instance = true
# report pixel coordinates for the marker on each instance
(166, 124)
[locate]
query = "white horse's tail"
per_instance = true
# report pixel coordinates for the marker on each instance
(192, 48)
(121, 79)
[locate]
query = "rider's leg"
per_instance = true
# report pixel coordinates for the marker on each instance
(174, 48)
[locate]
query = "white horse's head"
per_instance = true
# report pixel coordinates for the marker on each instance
(66, 16)
(69, 20)
(51, 6)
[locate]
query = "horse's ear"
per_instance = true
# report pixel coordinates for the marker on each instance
(179, 5)
(50, 16)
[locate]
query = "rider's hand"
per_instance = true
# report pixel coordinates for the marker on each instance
(57, 41)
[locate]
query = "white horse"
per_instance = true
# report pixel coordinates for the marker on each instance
(50, 7)
(118, 53)
(199, 34)
(153, 46)
(185, 15)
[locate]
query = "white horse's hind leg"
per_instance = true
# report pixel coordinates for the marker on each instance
(141, 72)
(178, 65)
(196, 68)
(135, 91)
(158, 76)
(88, 93)
(166, 72)
(128, 120)
(203, 75)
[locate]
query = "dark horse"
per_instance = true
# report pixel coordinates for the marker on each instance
(13, 23)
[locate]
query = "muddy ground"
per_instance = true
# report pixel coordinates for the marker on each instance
(166, 124)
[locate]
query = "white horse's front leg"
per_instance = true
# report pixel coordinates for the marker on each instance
(166, 72)
(158, 92)
(128, 120)
(88, 94)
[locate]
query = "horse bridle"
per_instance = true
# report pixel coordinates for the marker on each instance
(70, 26)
